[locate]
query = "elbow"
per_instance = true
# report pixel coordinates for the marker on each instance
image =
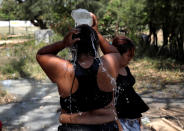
(38, 56)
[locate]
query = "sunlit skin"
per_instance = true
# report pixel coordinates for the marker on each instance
(62, 72)
(125, 59)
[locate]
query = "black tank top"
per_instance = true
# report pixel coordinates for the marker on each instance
(88, 96)
(129, 104)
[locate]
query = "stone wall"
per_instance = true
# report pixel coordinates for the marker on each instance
(43, 36)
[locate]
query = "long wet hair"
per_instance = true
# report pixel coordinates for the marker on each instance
(124, 44)
(88, 43)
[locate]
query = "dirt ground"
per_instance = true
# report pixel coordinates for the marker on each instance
(166, 107)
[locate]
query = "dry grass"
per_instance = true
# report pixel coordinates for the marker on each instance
(156, 72)
(145, 70)
(5, 97)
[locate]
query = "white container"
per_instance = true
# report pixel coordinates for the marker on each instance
(82, 16)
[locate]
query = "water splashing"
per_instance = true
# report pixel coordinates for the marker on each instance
(74, 57)
(97, 54)
(113, 81)
(80, 113)
(73, 51)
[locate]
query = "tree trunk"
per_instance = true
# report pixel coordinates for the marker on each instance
(165, 40)
(180, 46)
(155, 39)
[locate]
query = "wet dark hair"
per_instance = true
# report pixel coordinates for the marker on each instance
(88, 43)
(124, 44)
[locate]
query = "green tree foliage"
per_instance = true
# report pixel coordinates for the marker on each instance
(50, 13)
(8, 10)
(114, 16)
(61, 15)
(123, 15)
(167, 16)
(35, 11)
(55, 13)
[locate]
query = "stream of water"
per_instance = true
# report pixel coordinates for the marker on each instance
(113, 81)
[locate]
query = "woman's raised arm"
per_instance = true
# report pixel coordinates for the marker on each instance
(53, 65)
(104, 44)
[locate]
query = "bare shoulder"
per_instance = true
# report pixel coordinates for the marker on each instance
(111, 60)
(55, 67)
(108, 72)
(111, 56)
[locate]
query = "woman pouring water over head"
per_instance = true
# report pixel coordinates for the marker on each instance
(86, 85)
(129, 105)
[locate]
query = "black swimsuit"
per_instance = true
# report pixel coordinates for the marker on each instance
(88, 95)
(129, 104)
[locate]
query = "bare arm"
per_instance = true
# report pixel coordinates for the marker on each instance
(98, 116)
(52, 65)
(104, 44)
(58, 46)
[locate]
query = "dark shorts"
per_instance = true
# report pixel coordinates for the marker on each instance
(111, 126)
